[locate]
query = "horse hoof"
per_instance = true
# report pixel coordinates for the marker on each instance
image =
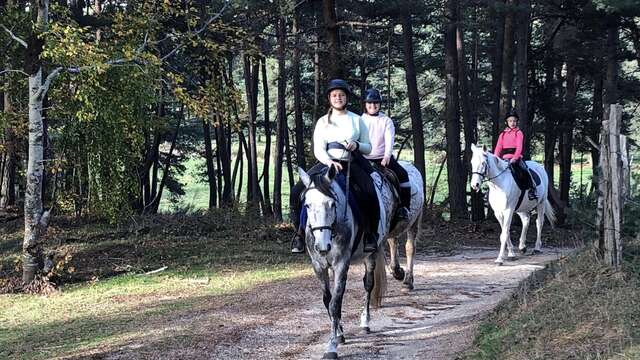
(330, 355)
(398, 273)
(406, 287)
(366, 330)
(537, 252)
(498, 262)
(523, 250)
(512, 258)
(341, 339)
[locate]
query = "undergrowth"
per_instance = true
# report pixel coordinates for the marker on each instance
(582, 310)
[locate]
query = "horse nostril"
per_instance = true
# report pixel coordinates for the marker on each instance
(328, 247)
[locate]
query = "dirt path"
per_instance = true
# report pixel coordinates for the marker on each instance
(287, 320)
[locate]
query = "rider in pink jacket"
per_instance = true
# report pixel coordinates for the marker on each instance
(509, 147)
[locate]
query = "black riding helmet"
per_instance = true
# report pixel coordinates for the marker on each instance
(338, 84)
(510, 114)
(373, 96)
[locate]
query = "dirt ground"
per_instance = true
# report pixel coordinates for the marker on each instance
(287, 320)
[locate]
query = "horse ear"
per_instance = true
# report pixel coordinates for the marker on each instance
(331, 174)
(484, 148)
(306, 179)
(474, 148)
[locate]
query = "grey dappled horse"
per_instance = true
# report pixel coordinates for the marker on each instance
(330, 234)
(503, 198)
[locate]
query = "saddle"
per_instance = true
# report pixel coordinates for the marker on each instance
(391, 177)
(523, 175)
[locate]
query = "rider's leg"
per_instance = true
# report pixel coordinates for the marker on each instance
(361, 171)
(405, 189)
(530, 181)
(295, 205)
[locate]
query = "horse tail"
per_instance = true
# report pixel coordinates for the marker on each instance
(550, 213)
(379, 279)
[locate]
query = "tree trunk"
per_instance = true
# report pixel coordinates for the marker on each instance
(457, 201)
(549, 121)
(522, 65)
(280, 125)
(506, 88)
(332, 67)
(414, 97)
(566, 130)
(152, 208)
(8, 173)
(470, 122)
(237, 167)
(225, 160)
(251, 84)
(267, 146)
(595, 128)
(297, 96)
(611, 78)
(211, 173)
(35, 218)
(496, 70)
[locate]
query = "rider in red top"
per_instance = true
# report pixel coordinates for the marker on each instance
(509, 147)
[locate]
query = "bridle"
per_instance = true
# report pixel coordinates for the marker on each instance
(485, 168)
(330, 227)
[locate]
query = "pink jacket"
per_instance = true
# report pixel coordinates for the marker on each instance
(510, 141)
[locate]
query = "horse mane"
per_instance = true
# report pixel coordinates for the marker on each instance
(321, 184)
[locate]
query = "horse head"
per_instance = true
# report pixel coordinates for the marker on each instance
(321, 204)
(479, 166)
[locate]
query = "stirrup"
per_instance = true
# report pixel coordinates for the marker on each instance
(297, 244)
(532, 195)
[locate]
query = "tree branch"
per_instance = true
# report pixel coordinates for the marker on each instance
(14, 37)
(47, 83)
(12, 70)
(197, 32)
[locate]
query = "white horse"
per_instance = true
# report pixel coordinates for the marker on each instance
(332, 243)
(504, 195)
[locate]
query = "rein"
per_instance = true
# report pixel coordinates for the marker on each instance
(484, 172)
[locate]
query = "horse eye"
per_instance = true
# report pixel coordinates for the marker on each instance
(333, 205)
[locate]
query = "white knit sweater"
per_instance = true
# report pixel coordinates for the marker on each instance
(342, 129)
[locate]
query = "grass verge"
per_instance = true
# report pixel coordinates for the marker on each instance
(582, 310)
(108, 301)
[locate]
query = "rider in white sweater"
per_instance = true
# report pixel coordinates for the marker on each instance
(341, 137)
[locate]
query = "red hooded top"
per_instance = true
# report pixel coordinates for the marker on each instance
(510, 144)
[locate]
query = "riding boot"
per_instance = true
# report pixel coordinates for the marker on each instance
(370, 242)
(405, 204)
(297, 243)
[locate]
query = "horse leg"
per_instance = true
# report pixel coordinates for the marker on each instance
(335, 309)
(505, 222)
(368, 281)
(410, 248)
(394, 262)
(525, 218)
(539, 225)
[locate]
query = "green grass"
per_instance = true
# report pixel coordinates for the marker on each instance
(206, 257)
(583, 310)
(197, 192)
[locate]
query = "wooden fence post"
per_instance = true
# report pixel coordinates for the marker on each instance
(613, 187)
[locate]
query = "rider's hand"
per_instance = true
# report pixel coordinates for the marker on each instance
(335, 164)
(385, 161)
(352, 146)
